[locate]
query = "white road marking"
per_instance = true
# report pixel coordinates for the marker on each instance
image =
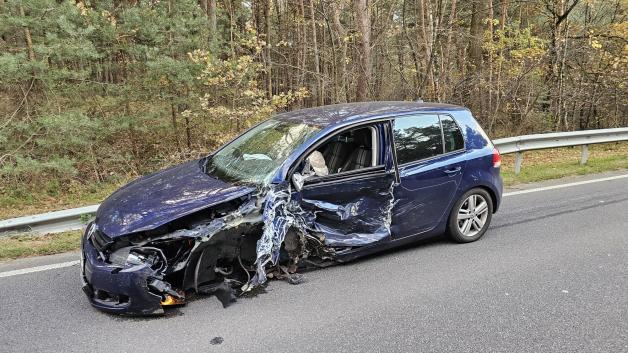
(560, 186)
(72, 263)
(38, 269)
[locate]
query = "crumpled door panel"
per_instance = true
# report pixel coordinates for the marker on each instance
(353, 212)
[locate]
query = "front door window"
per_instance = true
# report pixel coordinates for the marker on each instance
(347, 188)
(347, 151)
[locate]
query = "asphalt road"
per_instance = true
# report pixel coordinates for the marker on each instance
(551, 275)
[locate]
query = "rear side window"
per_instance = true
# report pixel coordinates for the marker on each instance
(417, 137)
(452, 134)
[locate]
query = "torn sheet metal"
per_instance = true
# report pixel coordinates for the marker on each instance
(277, 220)
(355, 213)
(238, 250)
(364, 218)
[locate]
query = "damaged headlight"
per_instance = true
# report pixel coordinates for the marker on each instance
(135, 259)
(120, 256)
(133, 256)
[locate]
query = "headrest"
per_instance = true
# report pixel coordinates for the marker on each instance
(362, 137)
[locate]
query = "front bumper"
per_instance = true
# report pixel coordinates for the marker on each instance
(114, 289)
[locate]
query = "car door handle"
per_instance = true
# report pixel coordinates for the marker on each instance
(452, 171)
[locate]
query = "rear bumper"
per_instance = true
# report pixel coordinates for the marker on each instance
(499, 190)
(116, 290)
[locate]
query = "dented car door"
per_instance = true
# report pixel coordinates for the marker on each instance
(352, 208)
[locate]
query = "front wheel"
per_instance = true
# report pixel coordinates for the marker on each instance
(470, 216)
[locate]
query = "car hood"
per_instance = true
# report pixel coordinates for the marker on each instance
(156, 199)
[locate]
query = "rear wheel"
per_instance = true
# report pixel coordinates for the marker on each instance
(470, 216)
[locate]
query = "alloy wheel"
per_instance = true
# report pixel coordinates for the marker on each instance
(472, 215)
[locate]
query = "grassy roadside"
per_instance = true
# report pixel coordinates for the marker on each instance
(561, 162)
(16, 203)
(35, 245)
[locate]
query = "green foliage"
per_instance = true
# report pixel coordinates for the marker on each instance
(13, 68)
(67, 132)
(232, 92)
(97, 89)
(26, 168)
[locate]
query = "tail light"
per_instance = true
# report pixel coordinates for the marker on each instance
(497, 158)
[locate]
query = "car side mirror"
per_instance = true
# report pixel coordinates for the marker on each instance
(298, 180)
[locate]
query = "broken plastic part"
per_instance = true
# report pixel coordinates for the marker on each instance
(223, 291)
(164, 288)
(169, 300)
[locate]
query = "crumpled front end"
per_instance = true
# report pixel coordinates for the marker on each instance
(142, 273)
(225, 251)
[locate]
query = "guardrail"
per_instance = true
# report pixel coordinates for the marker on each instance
(584, 138)
(51, 222)
(73, 219)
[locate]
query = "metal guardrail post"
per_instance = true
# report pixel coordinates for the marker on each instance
(518, 162)
(585, 155)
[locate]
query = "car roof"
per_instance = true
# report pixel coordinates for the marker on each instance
(355, 112)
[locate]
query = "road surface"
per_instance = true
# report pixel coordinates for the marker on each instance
(550, 275)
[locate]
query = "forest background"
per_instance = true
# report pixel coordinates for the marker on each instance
(95, 93)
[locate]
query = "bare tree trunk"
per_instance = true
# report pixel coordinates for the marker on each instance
(231, 27)
(213, 28)
(341, 34)
(27, 37)
(429, 38)
(303, 52)
(413, 53)
(188, 133)
(489, 60)
(363, 18)
(477, 33)
(560, 10)
(504, 14)
(175, 131)
(383, 64)
(282, 33)
(267, 57)
(475, 66)
(427, 47)
(447, 58)
(317, 65)
(498, 84)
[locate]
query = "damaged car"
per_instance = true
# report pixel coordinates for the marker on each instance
(304, 189)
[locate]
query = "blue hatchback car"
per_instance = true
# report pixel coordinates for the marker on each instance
(303, 189)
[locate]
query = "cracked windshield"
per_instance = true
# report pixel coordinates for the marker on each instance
(253, 157)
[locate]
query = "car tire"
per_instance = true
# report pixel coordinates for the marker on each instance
(467, 223)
